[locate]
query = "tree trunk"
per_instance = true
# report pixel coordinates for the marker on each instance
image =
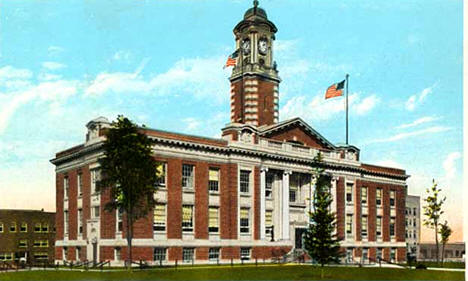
(443, 250)
(437, 241)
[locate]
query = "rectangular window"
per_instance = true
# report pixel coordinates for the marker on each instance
(13, 227)
(293, 187)
(378, 197)
(23, 244)
(24, 227)
(119, 220)
(45, 228)
(270, 178)
(37, 227)
(244, 220)
(364, 195)
(159, 254)
(94, 180)
(187, 176)
(414, 222)
(292, 193)
(213, 219)
(379, 254)
(244, 181)
(187, 217)
(159, 217)
(392, 254)
(392, 226)
(349, 224)
(414, 211)
(96, 212)
(187, 254)
(245, 253)
(349, 255)
(213, 254)
(1, 227)
(161, 174)
(65, 221)
(349, 192)
(378, 228)
(80, 221)
(392, 198)
(66, 186)
(41, 256)
(80, 184)
(213, 180)
(364, 226)
(268, 221)
(365, 255)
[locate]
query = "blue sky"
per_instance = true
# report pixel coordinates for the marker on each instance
(63, 63)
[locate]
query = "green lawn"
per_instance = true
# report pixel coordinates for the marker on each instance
(275, 272)
(446, 264)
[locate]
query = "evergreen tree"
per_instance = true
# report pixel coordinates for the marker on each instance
(433, 211)
(320, 241)
(445, 232)
(129, 171)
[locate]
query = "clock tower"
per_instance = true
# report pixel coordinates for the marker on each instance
(254, 79)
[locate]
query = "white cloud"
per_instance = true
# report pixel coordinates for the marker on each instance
(55, 50)
(418, 98)
(449, 165)
(9, 72)
(422, 120)
(122, 55)
(318, 108)
(55, 91)
(366, 105)
(200, 77)
(191, 123)
(52, 65)
(402, 136)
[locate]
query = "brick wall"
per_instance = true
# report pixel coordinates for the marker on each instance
(72, 206)
(107, 217)
(340, 204)
(228, 208)
(201, 200)
(59, 206)
(86, 177)
(174, 199)
(256, 206)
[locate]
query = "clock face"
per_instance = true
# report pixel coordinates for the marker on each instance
(262, 46)
(246, 46)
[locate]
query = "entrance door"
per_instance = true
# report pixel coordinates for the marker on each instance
(299, 237)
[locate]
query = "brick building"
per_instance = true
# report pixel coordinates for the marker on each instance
(243, 196)
(27, 235)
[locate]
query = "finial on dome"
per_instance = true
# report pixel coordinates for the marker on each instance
(255, 3)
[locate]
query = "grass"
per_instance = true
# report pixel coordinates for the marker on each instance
(272, 272)
(446, 264)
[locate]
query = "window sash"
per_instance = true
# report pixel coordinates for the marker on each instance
(349, 192)
(213, 179)
(364, 194)
(187, 176)
(159, 254)
(349, 224)
(364, 226)
(187, 254)
(159, 217)
(268, 218)
(213, 254)
(244, 181)
(161, 173)
(24, 227)
(213, 219)
(187, 217)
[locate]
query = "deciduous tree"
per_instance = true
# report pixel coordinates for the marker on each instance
(433, 211)
(128, 170)
(445, 232)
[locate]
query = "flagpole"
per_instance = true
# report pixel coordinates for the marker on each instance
(347, 82)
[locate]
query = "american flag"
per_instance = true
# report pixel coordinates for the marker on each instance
(335, 90)
(231, 61)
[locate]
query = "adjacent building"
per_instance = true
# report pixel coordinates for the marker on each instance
(27, 236)
(413, 224)
(244, 196)
(454, 252)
